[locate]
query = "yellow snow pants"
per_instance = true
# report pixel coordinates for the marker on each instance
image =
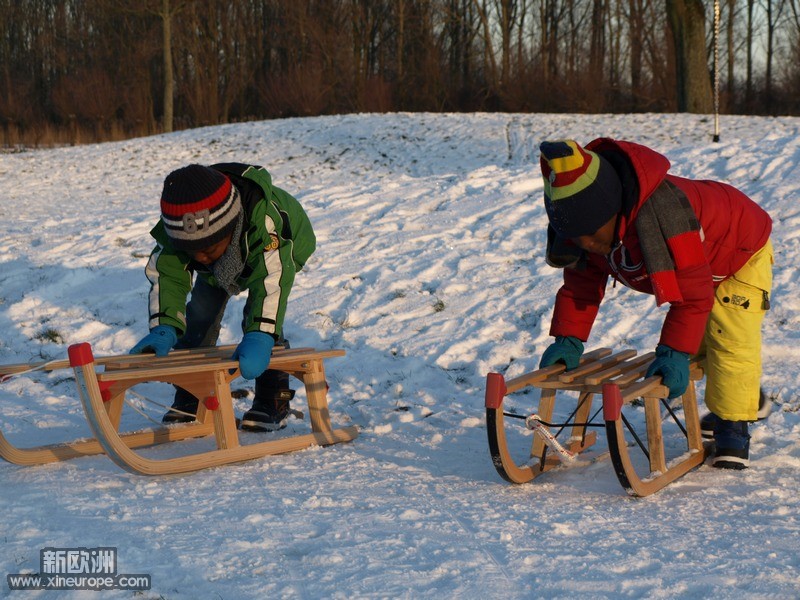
(732, 342)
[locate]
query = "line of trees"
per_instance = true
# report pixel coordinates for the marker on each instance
(89, 70)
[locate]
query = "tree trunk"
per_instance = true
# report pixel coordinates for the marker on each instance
(169, 76)
(400, 7)
(748, 87)
(597, 45)
(687, 22)
(731, 55)
(488, 47)
(636, 31)
(506, 12)
(774, 11)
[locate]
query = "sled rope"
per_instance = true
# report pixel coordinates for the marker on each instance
(561, 426)
(9, 376)
(164, 406)
(150, 401)
(534, 423)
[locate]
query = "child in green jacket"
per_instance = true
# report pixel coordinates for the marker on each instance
(228, 228)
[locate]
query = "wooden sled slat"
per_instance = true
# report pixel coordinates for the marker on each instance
(290, 360)
(620, 379)
(206, 373)
(593, 366)
(123, 359)
(175, 357)
(541, 375)
(57, 452)
(631, 370)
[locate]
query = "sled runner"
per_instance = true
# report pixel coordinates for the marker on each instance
(204, 372)
(619, 380)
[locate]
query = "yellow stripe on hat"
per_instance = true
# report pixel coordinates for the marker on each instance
(570, 163)
(565, 164)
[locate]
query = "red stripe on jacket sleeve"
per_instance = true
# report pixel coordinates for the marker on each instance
(687, 250)
(665, 287)
(685, 323)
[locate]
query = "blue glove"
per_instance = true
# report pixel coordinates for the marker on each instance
(565, 349)
(673, 366)
(160, 340)
(253, 353)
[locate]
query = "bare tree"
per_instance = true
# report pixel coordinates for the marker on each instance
(506, 13)
(687, 23)
(166, 15)
(459, 32)
(636, 32)
(166, 11)
(748, 95)
(550, 24)
(597, 46)
(773, 8)
(98, 67)
(793, 68)
(489, 57)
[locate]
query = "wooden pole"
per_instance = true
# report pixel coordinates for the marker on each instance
(716, 70)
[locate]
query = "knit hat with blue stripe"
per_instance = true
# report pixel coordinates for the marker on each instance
(582, 191)
(199, 207)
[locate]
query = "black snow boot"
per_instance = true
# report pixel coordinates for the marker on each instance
(271, 408)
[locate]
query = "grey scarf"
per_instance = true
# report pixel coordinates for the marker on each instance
(661, 224)
(230, 265)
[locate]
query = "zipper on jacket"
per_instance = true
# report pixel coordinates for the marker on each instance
(614, 270)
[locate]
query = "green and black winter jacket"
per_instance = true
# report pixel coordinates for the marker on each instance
(277, 239)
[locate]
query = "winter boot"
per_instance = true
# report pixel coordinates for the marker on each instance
(270, 409)
(183, 410)
(268, 414)
(732, 440)
(708, 422)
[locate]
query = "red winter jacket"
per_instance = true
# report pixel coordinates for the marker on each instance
(733, 228)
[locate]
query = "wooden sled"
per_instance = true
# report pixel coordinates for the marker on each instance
(619, 379)
(204, 372)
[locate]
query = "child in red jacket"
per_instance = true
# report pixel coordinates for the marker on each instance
(701, 246)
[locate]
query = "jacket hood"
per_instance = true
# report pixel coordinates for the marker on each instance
(649, 166)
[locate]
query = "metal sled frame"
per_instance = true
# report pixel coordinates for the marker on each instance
(619, 378)
(204, 372)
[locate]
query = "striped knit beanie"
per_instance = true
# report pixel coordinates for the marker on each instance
(199, 207)
(582, 191)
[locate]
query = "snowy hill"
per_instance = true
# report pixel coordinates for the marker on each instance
(430, 274)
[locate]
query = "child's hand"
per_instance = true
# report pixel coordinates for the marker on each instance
(160, 340)
(673, 366)
(253, 353)
(565, 349)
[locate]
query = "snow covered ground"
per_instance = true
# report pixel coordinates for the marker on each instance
(430, 274)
